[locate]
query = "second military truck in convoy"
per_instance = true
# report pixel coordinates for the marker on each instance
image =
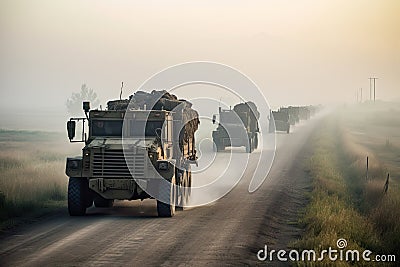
(151, 161)
(237, 127)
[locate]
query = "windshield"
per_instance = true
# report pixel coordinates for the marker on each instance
(137, 127)
(229, 117)
(114, 128)
(107, 128)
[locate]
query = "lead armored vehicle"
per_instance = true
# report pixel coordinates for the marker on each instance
(152, 160)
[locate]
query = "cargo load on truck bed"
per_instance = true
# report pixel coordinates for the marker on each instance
(160, 100)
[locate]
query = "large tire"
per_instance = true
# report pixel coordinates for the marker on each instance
(215, 148)
(187, 189)
(255, 141)
(189, 181)
(218, 148)
(249, 146)
(180, 191)
(183, 198)
(100, 202)
(78, 196)
(167, 191)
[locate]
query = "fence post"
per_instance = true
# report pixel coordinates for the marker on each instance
(366, 174)
(386, 186)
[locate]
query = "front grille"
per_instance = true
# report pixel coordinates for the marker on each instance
(113, 163)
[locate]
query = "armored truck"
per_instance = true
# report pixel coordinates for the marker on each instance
(293, 114)
(304, 113)
(137, 148)
(237, 127)
(281, 118)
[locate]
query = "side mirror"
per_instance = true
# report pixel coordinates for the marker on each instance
(214, 119)
(86, 106)
(71, 129)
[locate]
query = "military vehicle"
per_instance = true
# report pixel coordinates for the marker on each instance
(313, 109)
(152, 160)
(304, 113)
(237, 127)
(281, 119)
(293, 114)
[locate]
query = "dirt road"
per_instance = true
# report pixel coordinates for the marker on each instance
(227, 232)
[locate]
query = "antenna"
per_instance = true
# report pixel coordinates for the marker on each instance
(120, 94)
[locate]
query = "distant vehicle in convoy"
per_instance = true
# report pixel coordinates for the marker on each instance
(286, 117)
(293, 118)
(304, 113)
(294, 114)
(156, 155)
(237, 127)
(281, 119)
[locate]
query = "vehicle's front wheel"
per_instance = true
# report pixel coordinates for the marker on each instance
(255, 141)
(189, 174)
(167, 193)
(78, 191)
(218, 147)
(184, 192)
(249, 146)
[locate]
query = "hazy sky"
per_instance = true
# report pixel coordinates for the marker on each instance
(298, 52)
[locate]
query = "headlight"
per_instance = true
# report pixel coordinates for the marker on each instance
(163, 165)
(73, 164)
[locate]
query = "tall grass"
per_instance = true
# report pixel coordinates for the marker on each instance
(381, 209)
(31, 173)
(330, 214)
(343, 204)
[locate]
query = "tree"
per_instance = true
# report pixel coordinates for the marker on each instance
(74, 103)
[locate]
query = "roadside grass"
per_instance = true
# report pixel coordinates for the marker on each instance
(343, 203)
(381, 143)
(330, 214)
(32, 179)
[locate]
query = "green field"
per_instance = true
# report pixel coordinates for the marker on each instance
(32, 179)
(343, 202)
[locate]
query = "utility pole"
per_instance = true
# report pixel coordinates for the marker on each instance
(370, 92)
(361, 95)
(370, 89)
